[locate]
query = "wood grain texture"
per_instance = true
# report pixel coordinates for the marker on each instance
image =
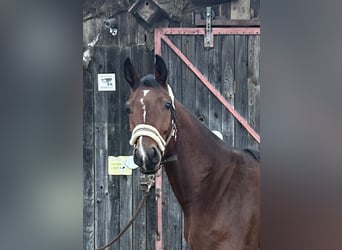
(240, 9)
(202, 99)
(227, 79)
(255, 8)
(214, 76)
(254, 88)
(240, 98)
(88, 162)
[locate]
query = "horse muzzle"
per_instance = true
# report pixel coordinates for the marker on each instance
(147, 156)
(149, 146)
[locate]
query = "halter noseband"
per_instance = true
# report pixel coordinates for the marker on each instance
(153, 133)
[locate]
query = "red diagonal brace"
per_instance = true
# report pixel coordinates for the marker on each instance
(205, 81)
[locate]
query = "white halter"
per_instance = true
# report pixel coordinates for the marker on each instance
(149, 131)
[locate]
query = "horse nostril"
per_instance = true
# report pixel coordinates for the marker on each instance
(154, 155)
(154, 151)
(137, 158)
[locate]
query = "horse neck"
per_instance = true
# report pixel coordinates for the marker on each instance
(197, 150)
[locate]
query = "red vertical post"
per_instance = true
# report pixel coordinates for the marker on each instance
(159, 231)
(159, 175)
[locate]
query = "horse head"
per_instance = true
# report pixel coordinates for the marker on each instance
(151, 109)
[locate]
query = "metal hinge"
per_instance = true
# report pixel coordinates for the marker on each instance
(208, 37)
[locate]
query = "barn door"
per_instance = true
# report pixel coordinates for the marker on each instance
(219, 85)
(229, 71)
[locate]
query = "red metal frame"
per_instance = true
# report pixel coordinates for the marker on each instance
(159, 231)
(161, 34)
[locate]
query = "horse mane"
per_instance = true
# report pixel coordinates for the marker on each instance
(205, 131)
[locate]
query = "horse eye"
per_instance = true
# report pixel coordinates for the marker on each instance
(168, 105)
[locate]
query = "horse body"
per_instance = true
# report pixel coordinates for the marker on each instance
(216, 186)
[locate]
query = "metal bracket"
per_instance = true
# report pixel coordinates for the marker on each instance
(111, 24)
(147, 181)
(157, 236)
(208, 37)
(158, 191)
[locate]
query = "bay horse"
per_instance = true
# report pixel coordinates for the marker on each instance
(216, 186)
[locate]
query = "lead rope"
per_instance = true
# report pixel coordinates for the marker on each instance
(148, 182)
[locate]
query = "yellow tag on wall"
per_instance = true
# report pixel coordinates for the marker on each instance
(118, 165)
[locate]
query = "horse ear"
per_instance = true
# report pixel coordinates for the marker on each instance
(160, 71)
(131, 74)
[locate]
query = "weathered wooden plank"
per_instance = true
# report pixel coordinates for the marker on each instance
(253, 87)
(188, 82)
(112, 215)
(214, 76)
(126, 210)
(240, 9)
(207, 2)
(255, 8)
(175, 69)
(225, 10)
(175, 223)
(240, 102)
(100, 119)
(88, 200)
(228, 69)
(133, 30)
(150, 220)
(202, 104)
(223, 21)
(124, 30)
(139, 225)
(166, 189)
(187, 20)
(140, 35)
(196, 5)
(88, 162)
(114, 111)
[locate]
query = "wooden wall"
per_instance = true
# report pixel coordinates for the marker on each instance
(232, 66)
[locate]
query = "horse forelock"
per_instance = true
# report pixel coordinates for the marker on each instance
(149, 81)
